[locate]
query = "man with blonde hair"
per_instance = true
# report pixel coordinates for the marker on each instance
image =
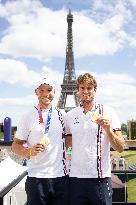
(94, 128)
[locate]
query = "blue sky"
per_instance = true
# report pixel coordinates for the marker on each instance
(33, 37)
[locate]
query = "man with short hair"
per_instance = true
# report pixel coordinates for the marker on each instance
(42, 130)
(94, 127)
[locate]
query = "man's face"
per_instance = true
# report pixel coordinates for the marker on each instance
(86, 92)
(45, 94)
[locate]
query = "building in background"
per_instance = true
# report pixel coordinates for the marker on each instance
(132, 130)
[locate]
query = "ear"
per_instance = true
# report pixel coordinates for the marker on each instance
(36, 91)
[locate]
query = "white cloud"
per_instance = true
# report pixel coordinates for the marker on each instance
(100, 39)
(17, 72)
(9, 9)
(22, 101)
(14, 71)
(35, 31)
(133, 2)
(39, 32)
(118, 91)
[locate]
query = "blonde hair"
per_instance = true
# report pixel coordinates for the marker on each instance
(88, 79)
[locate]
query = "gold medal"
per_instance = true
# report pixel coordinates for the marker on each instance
(94, 117)
(45, 140)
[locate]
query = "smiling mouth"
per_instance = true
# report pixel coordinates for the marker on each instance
(86, 95)
(47, 98)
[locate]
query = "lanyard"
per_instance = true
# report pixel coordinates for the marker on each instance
(47, 123)
(95, 108)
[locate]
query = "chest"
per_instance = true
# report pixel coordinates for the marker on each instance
(82, 123)
(36, 130)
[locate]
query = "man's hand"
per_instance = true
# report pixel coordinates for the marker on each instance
(103, 122)
(116, 139)
(38, 148)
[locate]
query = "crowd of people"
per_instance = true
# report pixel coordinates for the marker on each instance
(46, 133)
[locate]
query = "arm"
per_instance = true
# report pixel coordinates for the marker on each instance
(115, 137)
(25, 152)
(116, 140)
(19, 149)
(68, 141)
(67, 135)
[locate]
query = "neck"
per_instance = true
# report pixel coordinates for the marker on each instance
(87, 106)
(44, 107)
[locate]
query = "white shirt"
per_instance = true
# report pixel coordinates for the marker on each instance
(90, 145)
(51, 162)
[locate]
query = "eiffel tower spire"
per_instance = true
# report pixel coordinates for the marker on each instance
(68, 88)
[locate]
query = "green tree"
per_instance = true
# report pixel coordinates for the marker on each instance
(124, 128)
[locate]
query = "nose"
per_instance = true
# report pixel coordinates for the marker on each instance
(85, 90)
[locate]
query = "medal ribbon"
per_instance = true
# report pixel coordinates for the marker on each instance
(47, 124)
(96, 107)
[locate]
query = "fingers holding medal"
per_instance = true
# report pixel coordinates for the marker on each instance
(42, 145)
(101, 120)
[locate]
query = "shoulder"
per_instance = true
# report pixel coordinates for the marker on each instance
(73, 111)
(60, 111)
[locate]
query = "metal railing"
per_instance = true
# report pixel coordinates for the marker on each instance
(6, 189)
(125, 175)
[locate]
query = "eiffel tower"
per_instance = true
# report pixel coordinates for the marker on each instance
(68, 98)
